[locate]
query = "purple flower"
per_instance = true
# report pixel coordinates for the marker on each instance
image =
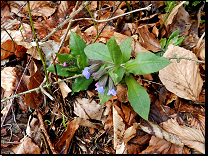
(100, 89)
(112, 91)
(64, 64)
(86, 72)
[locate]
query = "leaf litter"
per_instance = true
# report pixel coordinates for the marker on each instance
(177, 112)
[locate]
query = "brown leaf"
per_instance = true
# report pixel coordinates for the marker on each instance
(148, 40)
(65, 140)
(122, 93)
(180, 22)
(87, 109)
(160, 146)
(64, 89)
(190, 136)
(183, 79)
(38, 8)
(27, 147)
(33, 99)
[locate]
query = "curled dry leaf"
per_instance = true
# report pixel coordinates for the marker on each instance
(64, 89)
(122, 93)
(190, 136)
(148, 40)
(183, 79)
(84, 108)
(63, 144)
(154, 129)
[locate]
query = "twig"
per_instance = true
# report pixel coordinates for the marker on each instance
(106, 22)
(146, 8)
(186, 58)
(46, 133)
(66, 21)
(43, 90)
(36, 89)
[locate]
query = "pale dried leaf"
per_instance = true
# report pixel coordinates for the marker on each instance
(26, 147)
(84, 108)
(154, 129)
(8, 80)
(48, 47)
(16, 35)
(172, 14)
(190, 136)
(183, 79)
(119, 129)
(64, 89)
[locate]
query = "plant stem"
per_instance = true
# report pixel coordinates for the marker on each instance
(186, 58)
(129, 8)
(10, 37)
(42, 59)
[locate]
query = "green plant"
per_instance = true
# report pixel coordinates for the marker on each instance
(173, 39)
(110, 65)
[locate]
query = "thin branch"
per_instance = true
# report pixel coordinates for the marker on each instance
(38, 88)
(106, 20)
(66, 21)
(186, 58)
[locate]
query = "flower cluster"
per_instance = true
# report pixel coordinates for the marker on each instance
(99, 75)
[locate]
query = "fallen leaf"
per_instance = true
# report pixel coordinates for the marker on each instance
(160, 146)
(38, 8)
(63, 144)
(148, 40)
(27, 146)
(84, 108)
(33, 99)
(122, 93)
(183, 79)
(64, 89)
(190, 136)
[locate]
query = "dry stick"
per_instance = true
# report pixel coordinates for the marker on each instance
(36, 89)
(106, 22)
(46, 133)
(66, 21)
(186, 58)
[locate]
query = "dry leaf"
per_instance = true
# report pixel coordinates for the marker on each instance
(84, 108)
(148, 40)
(63, 144)
(38, 8)
(190, 136)
(64, 89)
(26, 147)
(122, 94)
(183, 79)
(160, 146)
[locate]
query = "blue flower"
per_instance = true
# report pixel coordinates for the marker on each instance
(100, 89)
(86, 73)
(112, 91)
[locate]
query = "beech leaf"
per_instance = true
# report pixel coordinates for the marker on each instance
(183, 78)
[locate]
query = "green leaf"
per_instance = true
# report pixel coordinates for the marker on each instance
(98, 51)
(73, 69)
(179, 41)
(162, 42)
(64, 57)
(104, 97)
(115, 51)
(138, 97)
(77, 45)
(61, 72)
(117, 75)
(146, 63)
(174, 34)
(81, 83)
(125, 47)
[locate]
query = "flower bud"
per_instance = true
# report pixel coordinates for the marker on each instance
(111, 89)
(64, 64)
(98, 74)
